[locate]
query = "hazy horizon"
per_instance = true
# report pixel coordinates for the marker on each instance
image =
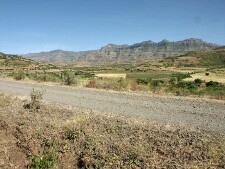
(108, 44)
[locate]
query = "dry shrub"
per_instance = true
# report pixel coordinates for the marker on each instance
(122, 83)
(36, 98)
(109, 142)
(107, 84)
(19, 75)
(133, 86)
(70, 78)
(100, 140)
(110, 86)
(92, 84)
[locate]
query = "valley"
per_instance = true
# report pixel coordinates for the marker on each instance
(106, 113)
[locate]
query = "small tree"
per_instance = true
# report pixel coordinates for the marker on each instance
(36, 97)
(69, 78)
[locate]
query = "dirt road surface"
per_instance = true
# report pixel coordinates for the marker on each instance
(196, 112)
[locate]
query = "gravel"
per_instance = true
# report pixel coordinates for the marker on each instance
(195, 112)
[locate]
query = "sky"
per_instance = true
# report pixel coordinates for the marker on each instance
(28, 26)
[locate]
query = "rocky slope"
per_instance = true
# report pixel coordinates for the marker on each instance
(56, 56)
(139, 51)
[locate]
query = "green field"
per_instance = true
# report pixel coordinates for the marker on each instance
(150, 75)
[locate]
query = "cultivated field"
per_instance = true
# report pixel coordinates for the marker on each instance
(107, 75)
(149, 114)
(218, 77)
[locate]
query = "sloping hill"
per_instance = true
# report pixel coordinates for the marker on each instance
(112, 53)
(56, 56)
(212, 58)
(11, 62)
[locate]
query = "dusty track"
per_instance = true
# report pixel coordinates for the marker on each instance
(202, 113)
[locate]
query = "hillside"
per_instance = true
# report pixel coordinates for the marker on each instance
(112, 53)
(11, 62)
(56, 56)
(213, 58)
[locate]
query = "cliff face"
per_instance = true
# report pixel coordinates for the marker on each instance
(139, 51)
(146, 50)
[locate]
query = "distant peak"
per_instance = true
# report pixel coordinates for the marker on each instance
(57, 50)
(149, 41)
(193, 40)
(164, 40)
(111, 45)
(144, 42)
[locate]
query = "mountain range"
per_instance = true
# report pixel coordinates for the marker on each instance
(145, 50)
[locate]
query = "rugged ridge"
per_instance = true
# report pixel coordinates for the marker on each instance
(56, 56)
(138, 51)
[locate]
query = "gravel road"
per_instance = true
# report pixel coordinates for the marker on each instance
(202, 113)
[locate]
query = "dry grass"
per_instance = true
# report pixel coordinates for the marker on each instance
(183, 69)
(218, 77)
(108, 142)
(108, 75)
(87, 139)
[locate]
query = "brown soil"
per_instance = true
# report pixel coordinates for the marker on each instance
(13, 146)
(65, 137)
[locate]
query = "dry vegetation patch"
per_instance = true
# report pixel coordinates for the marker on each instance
(110, 75)
(218, 77)
(65, 137)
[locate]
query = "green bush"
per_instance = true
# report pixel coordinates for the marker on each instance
(3, 75)
(212, 89)
(192, 86)
(143, 81)
(215, 92)
(69, 78)
(84, 74)
(156, 83)
(36, 97)
(71, 134)
(198, 82)
(187, 85)
(182, 85)
(173, 81)
(122, 83)
(44, 77)
(20, 75)
(181, 76)
(44, 160)
(212, 84)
